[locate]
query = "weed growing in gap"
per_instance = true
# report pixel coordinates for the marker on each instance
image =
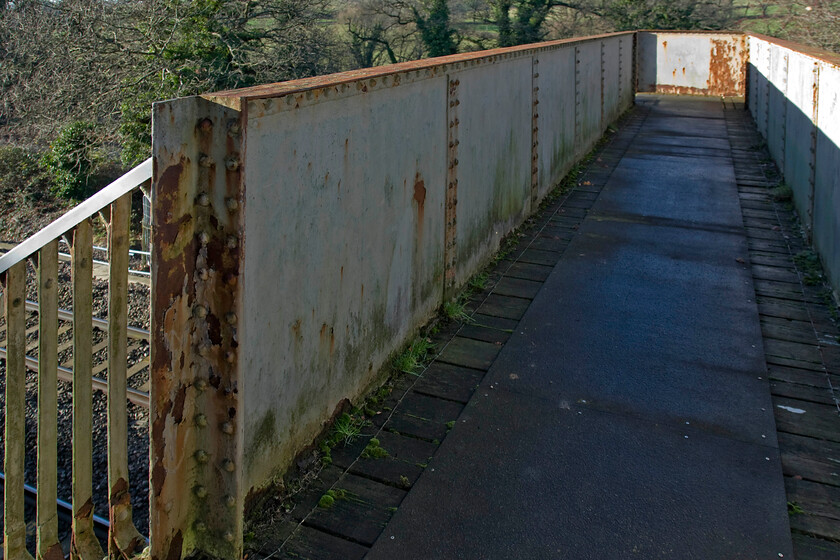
(782, 193)
(373, 450)
(414, 356)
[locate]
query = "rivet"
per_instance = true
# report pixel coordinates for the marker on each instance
(233, 127)
(227, 428)
(231, 318)
(232, 164)
(232, 204)
(230, 357)
(229, 536)
(231, 242)
(201, 491)
(230, 279)
(201, 456)
(204, 237)
(203, 199)
(205, 124)
(200, 527)
(200, 312)
(205, 161)
(230, 501)
(457, 102)
(200, 384)
(203, 349)
(228, 465)
(200, 420)
(203, 274)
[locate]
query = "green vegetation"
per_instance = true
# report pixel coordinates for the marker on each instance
(373, 450)
(73, 161)
(328, 500)
(414, 357)
(782, 193)
(808, 263)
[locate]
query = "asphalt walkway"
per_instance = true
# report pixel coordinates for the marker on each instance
(628, 415)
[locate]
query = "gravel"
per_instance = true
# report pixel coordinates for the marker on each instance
(138, 418)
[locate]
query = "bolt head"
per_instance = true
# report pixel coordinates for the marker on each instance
(200, 384)
(231, 164)
(201, 456)
(228, 465)
(201, 491)
(227, 428)
(231, 242)
(200, 312)
(203, 199)
(230, 318)
(204, 237)
(230, 501)
(200, 420)
(232, 204)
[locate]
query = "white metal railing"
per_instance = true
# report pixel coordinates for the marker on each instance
(113, 203)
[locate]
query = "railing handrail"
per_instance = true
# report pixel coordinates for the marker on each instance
(96, 203)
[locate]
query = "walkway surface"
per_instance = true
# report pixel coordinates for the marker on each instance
(614, 393)
(629, 414)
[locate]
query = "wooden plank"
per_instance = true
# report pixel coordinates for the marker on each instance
(535, 256)
(310, 544)
(553, 244)
(775, 273)
(797, 375)
(361, 512)
(84, 539)
(816, 525)
(517, 287)
(449, 382)
(807, 418)
(48, 545)
(815, 499)
(528, 271)
(504, 306)
(14, 526)
(124, 539)
(793, 350)
(821, 395)
(788, 330)
(810, 548)
(470, 353)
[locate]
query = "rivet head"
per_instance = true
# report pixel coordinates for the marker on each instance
(205, 161)
(203, 200)
(233, 128)
(230, 318)
(230, 279)
(200, 527)
(201, 491)
(229, 536)
(204, 237)
(205, 125)
(227, 428)
(232, 164)
(200, 384)
(230, 501)
(230, 357)
(200, 312)
(228, 465)
(203, 274)
(232, 204)
(231, 242)
(201, 456)
(200, 420)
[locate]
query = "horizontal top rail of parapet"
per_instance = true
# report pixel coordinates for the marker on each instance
(234, 98)
(828, 57)
(78, 214)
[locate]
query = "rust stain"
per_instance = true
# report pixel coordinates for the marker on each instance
(86, 510)
(119, 491)
(683, 70)
(54, 552)
(724, 68)
(419, 196)
(175, 546)
(178, 408)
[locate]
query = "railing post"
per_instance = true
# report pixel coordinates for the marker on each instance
(48, 547)
(123, 539)
(84, 545)
(196, 434)
(14, 527)
(450, 250)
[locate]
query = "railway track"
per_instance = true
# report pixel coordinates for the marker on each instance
(138, 344)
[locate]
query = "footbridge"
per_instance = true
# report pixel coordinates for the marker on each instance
(642, 362)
